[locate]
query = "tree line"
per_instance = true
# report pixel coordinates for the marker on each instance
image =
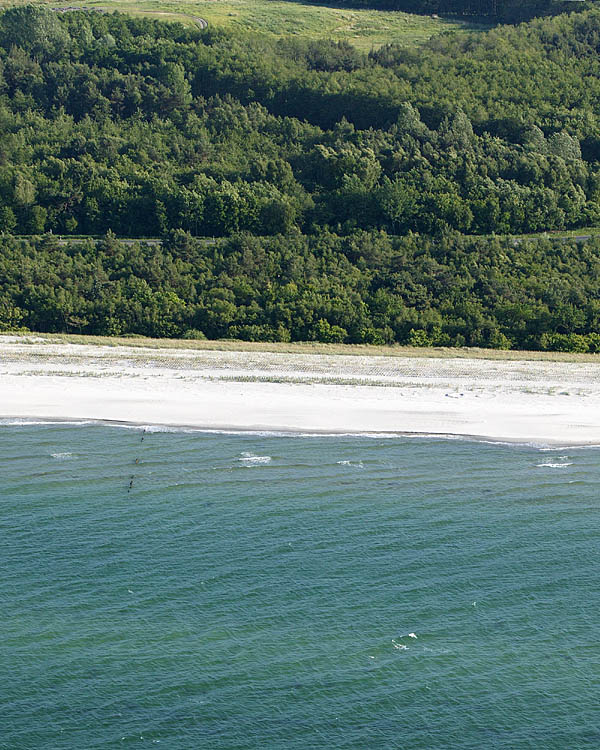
(506, 11)
(367, 287)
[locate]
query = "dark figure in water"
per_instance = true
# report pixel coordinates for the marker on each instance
(130, 485)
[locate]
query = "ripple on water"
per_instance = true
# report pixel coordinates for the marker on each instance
(446, 593)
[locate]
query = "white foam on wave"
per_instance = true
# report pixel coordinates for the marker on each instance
(250, 459)
(291, 433)
(61, 455)
(37, 422)
(152, 428)
(582, 447)
(165, 428)
(553, 466)
(355, 464)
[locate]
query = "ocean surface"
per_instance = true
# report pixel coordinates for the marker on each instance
(221, 592)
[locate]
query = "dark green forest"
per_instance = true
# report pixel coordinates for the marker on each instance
(109, 122)
(350, 188)
(367, 287)
(506, 11)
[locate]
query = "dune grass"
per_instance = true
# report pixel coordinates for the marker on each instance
(310, 347)
(364, 28)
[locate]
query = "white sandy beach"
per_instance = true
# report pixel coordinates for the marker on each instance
(526, 401)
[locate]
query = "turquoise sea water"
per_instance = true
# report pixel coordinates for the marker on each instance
(246, 591)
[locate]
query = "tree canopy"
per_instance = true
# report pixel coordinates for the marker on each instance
(110, 122)
(352, 187)
(366, 287)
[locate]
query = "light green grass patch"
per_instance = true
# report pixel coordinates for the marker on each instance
(563, 234)
(366, 29)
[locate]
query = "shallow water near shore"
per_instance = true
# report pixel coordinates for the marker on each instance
(248, 591)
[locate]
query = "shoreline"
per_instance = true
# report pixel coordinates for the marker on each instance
(17, 421)
(525, 402)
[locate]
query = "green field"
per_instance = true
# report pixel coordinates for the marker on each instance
(364, 29)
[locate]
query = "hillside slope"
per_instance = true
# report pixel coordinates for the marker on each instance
(109, 122)
(113, 124)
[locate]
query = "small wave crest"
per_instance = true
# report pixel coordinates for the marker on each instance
(355, 464)
(250, 459)
(24, 422)
(553, 466)
(61, 455)
(152, 428)
(581, 447)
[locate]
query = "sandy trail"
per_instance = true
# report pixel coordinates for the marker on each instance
(526, 401)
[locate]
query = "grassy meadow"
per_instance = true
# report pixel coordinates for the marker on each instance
(365, 29)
